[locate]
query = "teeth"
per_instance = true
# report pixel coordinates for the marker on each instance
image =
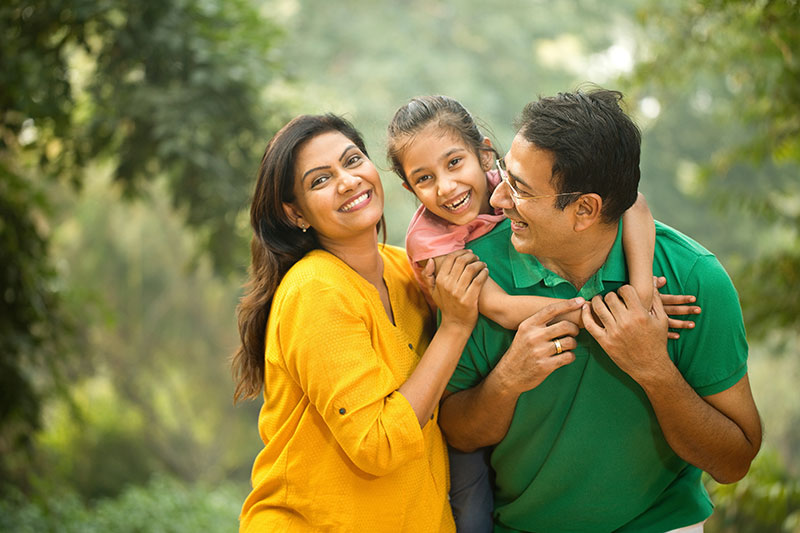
(459, 203)
(350, 205)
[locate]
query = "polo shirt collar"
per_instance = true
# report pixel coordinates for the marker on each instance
(527, 271)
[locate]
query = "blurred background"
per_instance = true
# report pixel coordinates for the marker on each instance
(130, 134)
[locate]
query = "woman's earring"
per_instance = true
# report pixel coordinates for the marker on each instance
(304, 228)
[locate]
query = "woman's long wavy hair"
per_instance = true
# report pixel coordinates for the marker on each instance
(277, 242)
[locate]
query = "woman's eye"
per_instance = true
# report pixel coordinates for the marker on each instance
(453, 162)
(319, 180)
(354, 160)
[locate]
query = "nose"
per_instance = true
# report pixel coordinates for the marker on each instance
(445, 186)
(501, 197)
(348, 181)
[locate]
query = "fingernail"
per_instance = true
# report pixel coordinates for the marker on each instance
(691, 324)
(579, 300)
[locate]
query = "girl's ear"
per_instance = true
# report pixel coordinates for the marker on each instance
(294, 215)
(487, 155)
(407, 187)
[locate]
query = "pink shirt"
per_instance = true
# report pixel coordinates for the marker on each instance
(430, 236)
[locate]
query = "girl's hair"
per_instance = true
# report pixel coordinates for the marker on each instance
(418, 113)
(277, 243)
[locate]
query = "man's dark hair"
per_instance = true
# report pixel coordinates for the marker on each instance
(595, 146)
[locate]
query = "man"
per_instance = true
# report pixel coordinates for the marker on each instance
(609, 428)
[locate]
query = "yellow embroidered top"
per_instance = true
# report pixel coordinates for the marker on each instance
(343, 450)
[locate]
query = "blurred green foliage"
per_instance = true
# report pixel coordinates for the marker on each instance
(159, 322)
(736, 64)
(766, 501)
(30, 321)
(147, 88)
(162, 505)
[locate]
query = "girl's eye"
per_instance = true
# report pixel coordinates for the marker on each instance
(424, 178)
(453, 162)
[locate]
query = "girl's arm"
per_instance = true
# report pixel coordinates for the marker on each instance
(639, 242)
(509, 311)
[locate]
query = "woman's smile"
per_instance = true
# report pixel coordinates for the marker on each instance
(358, 202)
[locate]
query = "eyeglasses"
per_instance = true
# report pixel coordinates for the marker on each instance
(517, 194)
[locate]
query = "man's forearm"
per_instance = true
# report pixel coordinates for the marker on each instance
(479, 416)
(720, 434)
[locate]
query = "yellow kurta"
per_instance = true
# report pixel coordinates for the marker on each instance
(343, 450)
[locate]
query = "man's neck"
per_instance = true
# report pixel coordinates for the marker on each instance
(584, 255)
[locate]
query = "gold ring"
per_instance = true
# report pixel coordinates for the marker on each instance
(559, 349)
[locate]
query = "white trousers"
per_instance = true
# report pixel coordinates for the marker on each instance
(696, 528)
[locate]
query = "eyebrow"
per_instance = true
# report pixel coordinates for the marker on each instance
(517, 179)
(341, 157)
(447, 154)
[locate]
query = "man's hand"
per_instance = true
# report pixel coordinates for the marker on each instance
(634, 338)
(538, 349)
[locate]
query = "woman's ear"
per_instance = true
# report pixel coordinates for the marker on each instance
(487, 155)
(586, 211)
(294, 215)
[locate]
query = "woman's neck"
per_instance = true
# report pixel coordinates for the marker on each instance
(361, 254)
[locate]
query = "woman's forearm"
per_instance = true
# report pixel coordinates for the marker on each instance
(424, 388)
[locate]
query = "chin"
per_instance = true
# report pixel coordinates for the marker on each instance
(521, 246)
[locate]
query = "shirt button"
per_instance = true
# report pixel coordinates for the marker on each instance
(410, 346)
(342, 411)
(431, 417)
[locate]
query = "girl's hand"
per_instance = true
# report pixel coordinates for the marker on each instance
(456, 286)
(677, 304)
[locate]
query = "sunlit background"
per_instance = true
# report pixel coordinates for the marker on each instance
(131, 132)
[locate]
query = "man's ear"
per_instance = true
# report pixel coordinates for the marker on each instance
(294, 214)
(487, 155)
(586, 211)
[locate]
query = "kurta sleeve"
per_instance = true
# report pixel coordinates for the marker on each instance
(326, 338)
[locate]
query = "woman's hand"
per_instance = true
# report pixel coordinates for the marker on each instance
(456, 286)
(677, 304)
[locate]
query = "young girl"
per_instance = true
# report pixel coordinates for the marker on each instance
(439, 152)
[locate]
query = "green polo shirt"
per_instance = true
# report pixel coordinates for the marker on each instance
(584, 451)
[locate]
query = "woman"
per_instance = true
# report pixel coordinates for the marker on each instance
(350, 372)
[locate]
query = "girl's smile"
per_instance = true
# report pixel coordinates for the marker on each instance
(447, 176)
